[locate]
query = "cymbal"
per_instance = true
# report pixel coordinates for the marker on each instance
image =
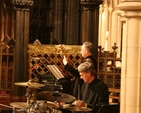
(55, 96)
(78, 109)
(30, 84)
(18, 104)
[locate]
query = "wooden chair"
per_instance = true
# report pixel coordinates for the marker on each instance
(114, 95)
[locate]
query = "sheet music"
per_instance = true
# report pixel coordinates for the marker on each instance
(55, 71)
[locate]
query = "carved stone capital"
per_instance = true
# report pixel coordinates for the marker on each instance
(26, 3)
(91, 3)
(130, 6)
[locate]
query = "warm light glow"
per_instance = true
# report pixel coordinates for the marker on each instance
(107, 33)
(106, 41)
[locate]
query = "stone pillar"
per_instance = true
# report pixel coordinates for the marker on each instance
(57, 21)
(22, 8)
(65, 17)
(71, 22)
(130, 13)
(109, 26)
(89, 22)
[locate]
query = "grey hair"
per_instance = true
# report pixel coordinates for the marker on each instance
(88, 46)
(87, 67)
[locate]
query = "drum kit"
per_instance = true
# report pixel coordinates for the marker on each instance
(43, 102)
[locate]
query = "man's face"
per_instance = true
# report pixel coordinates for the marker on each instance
(83, 51)
(85, 76)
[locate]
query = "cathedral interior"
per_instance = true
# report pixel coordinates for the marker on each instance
(31, 32)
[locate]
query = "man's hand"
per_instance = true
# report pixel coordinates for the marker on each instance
(59, 104)
(65, 60)
(80, 103)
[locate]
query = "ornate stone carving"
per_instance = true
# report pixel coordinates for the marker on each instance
(91, 3)
(6, 6)
(22, 2)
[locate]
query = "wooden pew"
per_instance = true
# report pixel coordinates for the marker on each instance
(114, 95)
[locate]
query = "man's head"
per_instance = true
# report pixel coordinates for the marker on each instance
(87, 71)
(86, 49)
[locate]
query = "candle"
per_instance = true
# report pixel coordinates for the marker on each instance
(106, 45)
(106, 41)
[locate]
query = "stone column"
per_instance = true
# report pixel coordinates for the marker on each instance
(22, 8)
(89, 22)
(130, 13)
(65, 17)
(71, 22)
(57, 21)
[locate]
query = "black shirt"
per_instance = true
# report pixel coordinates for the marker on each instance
(75, 73)
(95, 94)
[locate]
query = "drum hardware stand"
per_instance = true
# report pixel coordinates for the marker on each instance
(56, 95)
(28, 107)
(28, 95)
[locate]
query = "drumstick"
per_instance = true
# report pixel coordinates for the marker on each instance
(78, 91)
(5, 106)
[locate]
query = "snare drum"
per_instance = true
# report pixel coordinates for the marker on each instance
(40, 106)
(19, 110)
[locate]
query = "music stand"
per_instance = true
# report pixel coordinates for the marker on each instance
(55, 71)
(109, 109)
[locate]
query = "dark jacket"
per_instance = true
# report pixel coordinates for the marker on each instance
(75, 73)
(95, 94)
